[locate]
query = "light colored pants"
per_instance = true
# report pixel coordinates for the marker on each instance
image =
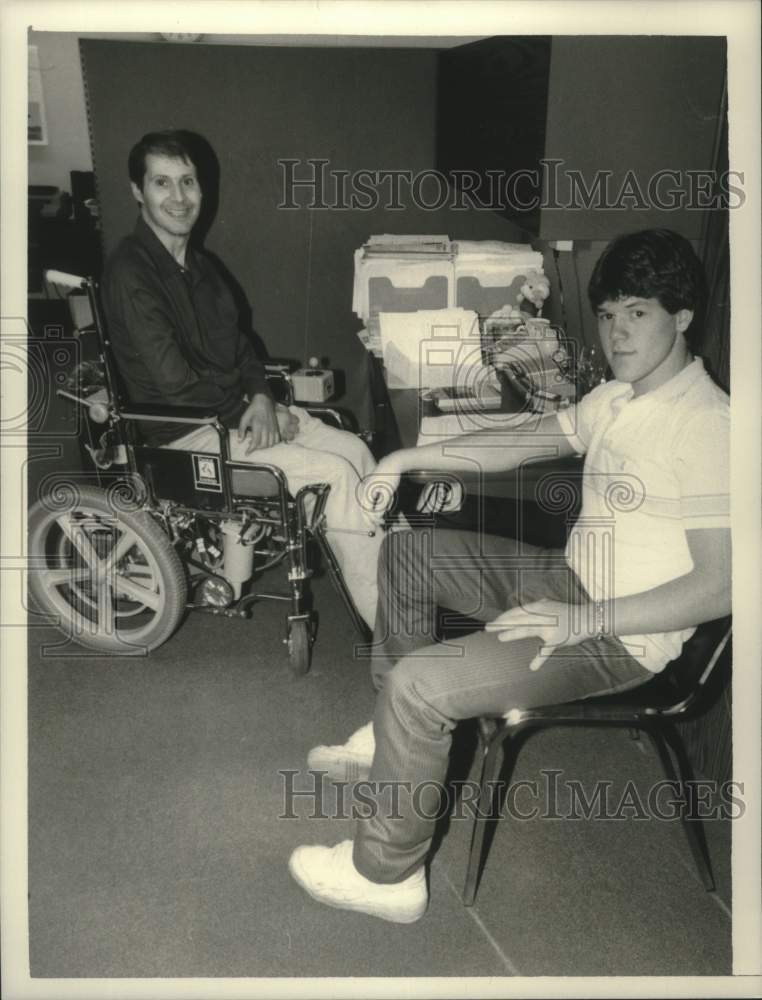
(321, 454)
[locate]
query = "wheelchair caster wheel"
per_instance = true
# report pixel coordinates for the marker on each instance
(299, 643)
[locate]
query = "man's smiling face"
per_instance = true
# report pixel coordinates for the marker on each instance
(170, 200)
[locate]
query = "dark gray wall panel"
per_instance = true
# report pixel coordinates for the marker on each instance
(367, 109)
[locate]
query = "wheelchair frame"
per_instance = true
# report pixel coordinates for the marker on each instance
(111, 560)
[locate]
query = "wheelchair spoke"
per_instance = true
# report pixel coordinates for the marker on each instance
(82, 542)
(127, 540)
(65, 577)
(129, 588)
(105, 607)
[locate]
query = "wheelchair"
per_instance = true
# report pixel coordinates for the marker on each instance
(121, 554)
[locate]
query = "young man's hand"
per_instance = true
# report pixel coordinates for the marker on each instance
(556, 623)
(261, 422)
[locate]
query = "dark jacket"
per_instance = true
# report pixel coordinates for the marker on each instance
(174, 333)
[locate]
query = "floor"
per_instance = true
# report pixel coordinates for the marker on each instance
(158, 843)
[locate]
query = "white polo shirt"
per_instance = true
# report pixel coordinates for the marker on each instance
(656, 466)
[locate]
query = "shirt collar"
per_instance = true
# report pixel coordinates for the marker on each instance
(675, 387)
(162, 258)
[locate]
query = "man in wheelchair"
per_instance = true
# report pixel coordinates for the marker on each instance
(173, 325)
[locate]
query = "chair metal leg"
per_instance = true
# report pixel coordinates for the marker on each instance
(667, 738)
(492, 759)
(691, 822)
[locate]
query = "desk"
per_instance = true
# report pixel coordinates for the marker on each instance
(397, 413)
(402, 410)
(406, 409)
(538, 502)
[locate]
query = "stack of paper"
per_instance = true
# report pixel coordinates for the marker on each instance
(407, 261)
(393, 272)
(495, 248)
(431, 349)
(391, 244)
(493, 263)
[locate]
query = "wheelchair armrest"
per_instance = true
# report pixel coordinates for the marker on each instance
(169, 414)
(279, 381)
(329, 414)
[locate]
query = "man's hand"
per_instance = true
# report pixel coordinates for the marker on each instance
(556, 623)
(261, 423)
(288, 424)
(380, 487)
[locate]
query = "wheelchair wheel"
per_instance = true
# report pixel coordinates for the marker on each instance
(108, 575)
(299, 646)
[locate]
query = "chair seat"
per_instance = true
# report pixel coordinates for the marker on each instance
(654, 695)
(662, 693)
(654, 706)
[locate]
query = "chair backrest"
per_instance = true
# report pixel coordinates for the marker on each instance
(115, 384)
(87, 318)
(81, 313)
(699, 666)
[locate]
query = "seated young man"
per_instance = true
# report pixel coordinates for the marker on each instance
(646, 562)
(174, 329)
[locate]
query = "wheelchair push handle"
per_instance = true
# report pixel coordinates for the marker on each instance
(54, 277)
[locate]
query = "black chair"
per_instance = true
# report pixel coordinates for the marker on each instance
(673, 695)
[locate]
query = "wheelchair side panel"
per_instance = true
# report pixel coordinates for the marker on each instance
(195, 479)
(190, 479)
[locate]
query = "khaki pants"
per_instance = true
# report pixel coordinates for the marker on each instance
(321, 454)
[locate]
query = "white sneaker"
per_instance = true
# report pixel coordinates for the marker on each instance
(328, 874)
(349, 762)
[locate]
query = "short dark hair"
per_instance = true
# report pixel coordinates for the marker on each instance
(652, 264)
(177, 144)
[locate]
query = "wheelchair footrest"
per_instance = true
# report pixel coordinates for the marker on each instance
(211, 609)
(264, 596)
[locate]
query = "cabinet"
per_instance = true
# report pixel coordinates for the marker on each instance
(582, 137)
(65, 244)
